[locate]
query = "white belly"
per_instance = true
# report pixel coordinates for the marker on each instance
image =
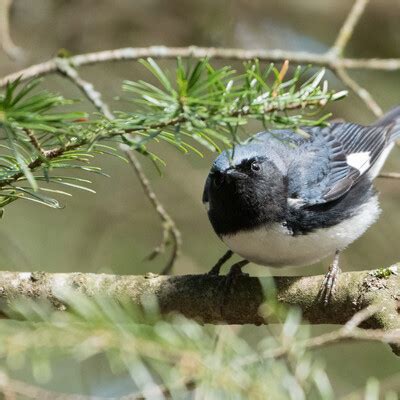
(274, 245)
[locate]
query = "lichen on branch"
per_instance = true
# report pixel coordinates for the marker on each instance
(200, 297)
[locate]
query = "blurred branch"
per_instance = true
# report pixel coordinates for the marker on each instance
(169, 227)
(348, 333)
(332, 59)
(338, 48)
(200, 296)
(11, 388)
(346, 31)
(389, 175)
(163, 52)
(6, 43)
(361, 92)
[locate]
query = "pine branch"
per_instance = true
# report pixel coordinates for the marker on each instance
(203, 104)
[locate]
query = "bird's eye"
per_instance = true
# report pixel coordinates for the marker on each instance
(255, 166)
(218, 179)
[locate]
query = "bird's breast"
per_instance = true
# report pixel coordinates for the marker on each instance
(275, 246)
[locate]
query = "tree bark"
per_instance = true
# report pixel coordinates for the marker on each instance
(204, 297)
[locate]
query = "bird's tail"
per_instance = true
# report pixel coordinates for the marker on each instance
(391, 118)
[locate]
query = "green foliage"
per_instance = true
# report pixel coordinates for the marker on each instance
(172, 354)
(22, 109)
(175, 354)
(209, 105)
(201, 105)
(37, 140)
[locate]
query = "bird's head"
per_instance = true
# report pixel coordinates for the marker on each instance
(244, 189)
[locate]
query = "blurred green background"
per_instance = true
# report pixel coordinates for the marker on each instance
(114, 230)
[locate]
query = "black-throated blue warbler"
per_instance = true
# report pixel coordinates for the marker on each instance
(289, 199)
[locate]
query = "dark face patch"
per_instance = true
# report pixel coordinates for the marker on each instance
(243, 197)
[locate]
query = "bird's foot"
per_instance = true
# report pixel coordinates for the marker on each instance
(215, 270)
(230, 281)
(234, 273)
(330, 281)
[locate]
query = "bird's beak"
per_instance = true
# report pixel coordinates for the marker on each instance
(233, 173)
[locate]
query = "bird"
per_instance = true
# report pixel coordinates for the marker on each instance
(294, 197)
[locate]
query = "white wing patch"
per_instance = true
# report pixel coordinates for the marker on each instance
(295, 202)
(360, 161)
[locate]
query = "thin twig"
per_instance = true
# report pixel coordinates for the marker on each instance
(35, 143)
(37, 162)
(87, 88)
(361, 92)
(332, 59)
(163, 52)
(169, 226)
(6, 43)
(337, 50)
(58, 151)
(361, 316)
(347, 29)
(349, 332)
(188, 384)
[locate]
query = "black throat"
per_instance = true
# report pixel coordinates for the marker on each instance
(245, 205)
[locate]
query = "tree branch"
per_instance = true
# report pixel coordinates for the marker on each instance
(347, 29)
(6, 43)
(361, 92)
(163, 52)
(199, 296)
(87, 88)
(170, 229)
(58, 151)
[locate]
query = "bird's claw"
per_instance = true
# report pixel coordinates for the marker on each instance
(330, 282)
(230, 281)
(215, 270)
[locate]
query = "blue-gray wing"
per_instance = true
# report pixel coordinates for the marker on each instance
(333, 160)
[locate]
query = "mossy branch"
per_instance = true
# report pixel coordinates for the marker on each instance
(202, 297)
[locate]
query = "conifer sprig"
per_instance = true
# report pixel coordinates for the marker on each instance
(197, 107)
